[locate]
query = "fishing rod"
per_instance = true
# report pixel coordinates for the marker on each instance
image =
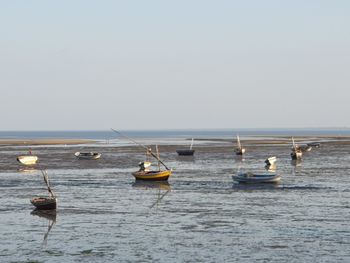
(143, 146)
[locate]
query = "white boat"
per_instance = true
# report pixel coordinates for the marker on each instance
(296, 153)
(27, 159)
(254, 178)
(87, 155)
(271, 160)
(239, 150)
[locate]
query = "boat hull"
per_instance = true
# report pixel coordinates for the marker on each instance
(87, 156)
(27, 159)
(186, 152)
(271, 160)
(250, 178)
(44, 203)
(296, 155)
(240, 151)
(152, 175)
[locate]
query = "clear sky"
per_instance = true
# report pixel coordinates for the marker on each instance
(82, 65)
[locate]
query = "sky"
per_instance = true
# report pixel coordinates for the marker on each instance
(194, 64)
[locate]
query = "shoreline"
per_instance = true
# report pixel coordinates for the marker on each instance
(28, 142)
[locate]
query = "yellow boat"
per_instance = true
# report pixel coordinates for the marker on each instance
(152, 175)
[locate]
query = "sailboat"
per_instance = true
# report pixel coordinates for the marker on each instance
(239, 150)
(296, 153)
(145, 172)
(43, 202)
(186, 152)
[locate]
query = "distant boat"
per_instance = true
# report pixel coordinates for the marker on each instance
(254, 178)
(27, 159)
(186, 152)
(296, 153)
(87, 155)
(271, 160)
(314, 144)
(239, 150)
(45, 202)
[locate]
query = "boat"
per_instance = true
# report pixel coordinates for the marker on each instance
(271, 160)
(239, 150)
(27, 159)
(45, 202)
(296, 153)
(87, 155)
(314, 144)
(256, 178)
(145, 172)
(186, 152)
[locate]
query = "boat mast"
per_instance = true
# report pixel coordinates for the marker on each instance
(143, 146)
(191, 144)
(239, 142)
(158, 157)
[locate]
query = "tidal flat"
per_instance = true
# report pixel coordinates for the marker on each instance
(199, 215)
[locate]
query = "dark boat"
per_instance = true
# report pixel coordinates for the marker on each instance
(45, 202)
(186, 152)
(239, 149)
(87, 155)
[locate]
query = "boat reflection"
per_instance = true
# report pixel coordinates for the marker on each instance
(163, 189)
(185, 158)
(239, 158)
(27, 169)
(161, 185)
(253, 187)
(296, 167)
(50, 215)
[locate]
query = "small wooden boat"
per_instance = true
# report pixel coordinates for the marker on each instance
(27, 159)
(87, 155)
(296, 153)
(239, 150)
(145, 173)
(152, 175)
(271, 160)
(254, 178)
(186, 152)
(45, 202)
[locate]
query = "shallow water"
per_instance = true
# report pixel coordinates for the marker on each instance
(199, 216)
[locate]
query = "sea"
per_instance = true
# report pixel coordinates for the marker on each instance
(199, 215)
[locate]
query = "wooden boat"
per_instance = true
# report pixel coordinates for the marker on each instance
(255, 178)
(152, 175)
(186, 152)
(296, 153)
(27, 159)
(271, 160)
(239, 150)
(145, 173)
(45, 202)
(87, 155)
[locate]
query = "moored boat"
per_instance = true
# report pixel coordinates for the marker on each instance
(186, 152)
(249, 177)
(45, 202)
(296, 153)
(152, 175)
(27, 159)
(87, 155)
(145, 172)
(239, 149)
